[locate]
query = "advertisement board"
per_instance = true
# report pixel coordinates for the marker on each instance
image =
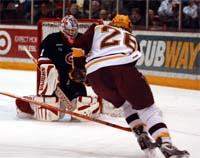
(12, 41)
(169, 58)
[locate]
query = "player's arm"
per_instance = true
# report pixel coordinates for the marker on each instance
(85, 40)
(78, 72)
(82, 46)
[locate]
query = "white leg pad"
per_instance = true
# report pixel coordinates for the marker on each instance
(44, 114)
(110, 110)
(88, 106)
(49, 79)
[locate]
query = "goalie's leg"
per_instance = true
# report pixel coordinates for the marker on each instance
(24, 109)
(29, 110)
(87, 105)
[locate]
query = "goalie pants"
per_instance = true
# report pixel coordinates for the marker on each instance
(121, 83)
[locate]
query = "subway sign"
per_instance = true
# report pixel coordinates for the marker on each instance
(170, 54)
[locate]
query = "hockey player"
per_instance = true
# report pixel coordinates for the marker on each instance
(55, 62)
(111, 53)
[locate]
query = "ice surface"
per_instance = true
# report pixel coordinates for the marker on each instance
(26, 138)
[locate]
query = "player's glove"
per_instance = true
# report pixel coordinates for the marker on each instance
(78, 75)
(78, 72)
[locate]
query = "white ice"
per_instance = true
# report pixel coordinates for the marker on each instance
(25, 138)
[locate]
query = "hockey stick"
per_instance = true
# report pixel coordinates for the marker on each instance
(59, 93)
(52, 108)
(30, 56)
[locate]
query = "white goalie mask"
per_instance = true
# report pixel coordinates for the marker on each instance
(69, 27)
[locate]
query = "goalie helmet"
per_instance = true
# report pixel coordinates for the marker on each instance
(69, 27)
(122, 21)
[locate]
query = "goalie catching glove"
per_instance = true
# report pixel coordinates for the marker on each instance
(78, 72)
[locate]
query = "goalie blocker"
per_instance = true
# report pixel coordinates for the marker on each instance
(89, 106)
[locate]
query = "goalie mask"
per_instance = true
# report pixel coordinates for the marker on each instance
(122, 21)
(69, 28)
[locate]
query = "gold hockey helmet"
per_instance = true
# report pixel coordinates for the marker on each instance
(122, 21)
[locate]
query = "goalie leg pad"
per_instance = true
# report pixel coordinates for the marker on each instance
(24, 109)
(49, 79)
(44, 114)
(88, 106)
(109, 109)
(24, 106)
(29, 110)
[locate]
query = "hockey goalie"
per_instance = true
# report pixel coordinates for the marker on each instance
(55, 63)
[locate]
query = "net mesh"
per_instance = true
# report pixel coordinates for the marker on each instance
(48, 26)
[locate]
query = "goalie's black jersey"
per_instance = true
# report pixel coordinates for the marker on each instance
(58, 50)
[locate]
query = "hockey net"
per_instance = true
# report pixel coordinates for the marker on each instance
(47, 26)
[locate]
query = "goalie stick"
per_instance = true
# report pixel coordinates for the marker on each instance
(59, 93)
(52, 108)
